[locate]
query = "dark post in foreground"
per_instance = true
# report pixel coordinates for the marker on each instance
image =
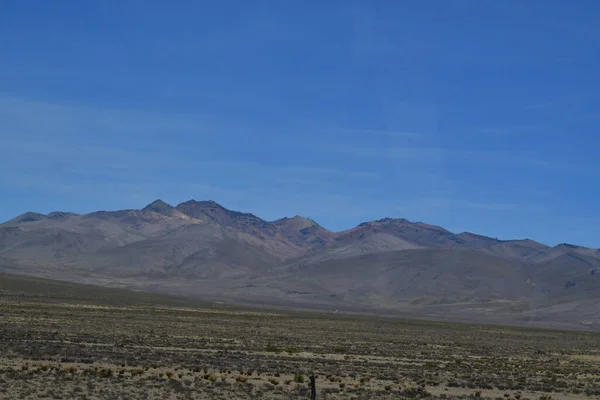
(313, 388)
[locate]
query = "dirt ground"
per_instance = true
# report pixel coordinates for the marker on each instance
(57, 346)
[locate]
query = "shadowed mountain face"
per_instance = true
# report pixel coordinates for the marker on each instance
(201, 248)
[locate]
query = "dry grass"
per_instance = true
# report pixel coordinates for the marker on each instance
(74, 349)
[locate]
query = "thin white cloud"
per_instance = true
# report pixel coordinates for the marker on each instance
(425, 155)
(51, 121)
(398, 134)
(519, 129)
(94, 156)
(397, 153)
(453, 203)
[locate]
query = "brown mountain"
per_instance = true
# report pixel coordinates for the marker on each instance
(201, 248)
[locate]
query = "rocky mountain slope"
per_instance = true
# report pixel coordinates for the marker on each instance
(202, 249)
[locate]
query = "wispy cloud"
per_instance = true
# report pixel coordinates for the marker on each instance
(398, 153)
(397, 134)
(51, 121)
(130, 163)
(425, 155)
(85, 151)
(429, 202)
(519, 129)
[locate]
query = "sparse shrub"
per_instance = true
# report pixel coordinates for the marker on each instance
(273, 349)
(292, 350)
(78, 389)
(413, 392)
(299, 378)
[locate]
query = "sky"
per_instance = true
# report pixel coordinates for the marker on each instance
(475, 115)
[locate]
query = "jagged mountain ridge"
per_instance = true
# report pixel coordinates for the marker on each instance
(300, 230)
(212, 251)
(301, 235)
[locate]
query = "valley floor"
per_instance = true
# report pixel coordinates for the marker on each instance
(63, 345)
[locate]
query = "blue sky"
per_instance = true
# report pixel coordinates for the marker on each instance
(475, 115)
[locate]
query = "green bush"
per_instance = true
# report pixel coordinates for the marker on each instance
(273, 349)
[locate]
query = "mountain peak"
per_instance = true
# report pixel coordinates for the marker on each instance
(29, 216)
(158, 206)
(196, 208)
(209, 210)
(60, 215)
(296, 222)
(476, 236)
(567, 245)
(301, 218)
(529, 242)
(385, 221)
(200, 203)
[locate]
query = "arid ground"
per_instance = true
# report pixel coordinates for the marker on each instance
(67, 341)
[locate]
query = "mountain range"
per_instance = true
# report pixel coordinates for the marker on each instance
(389, 266)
